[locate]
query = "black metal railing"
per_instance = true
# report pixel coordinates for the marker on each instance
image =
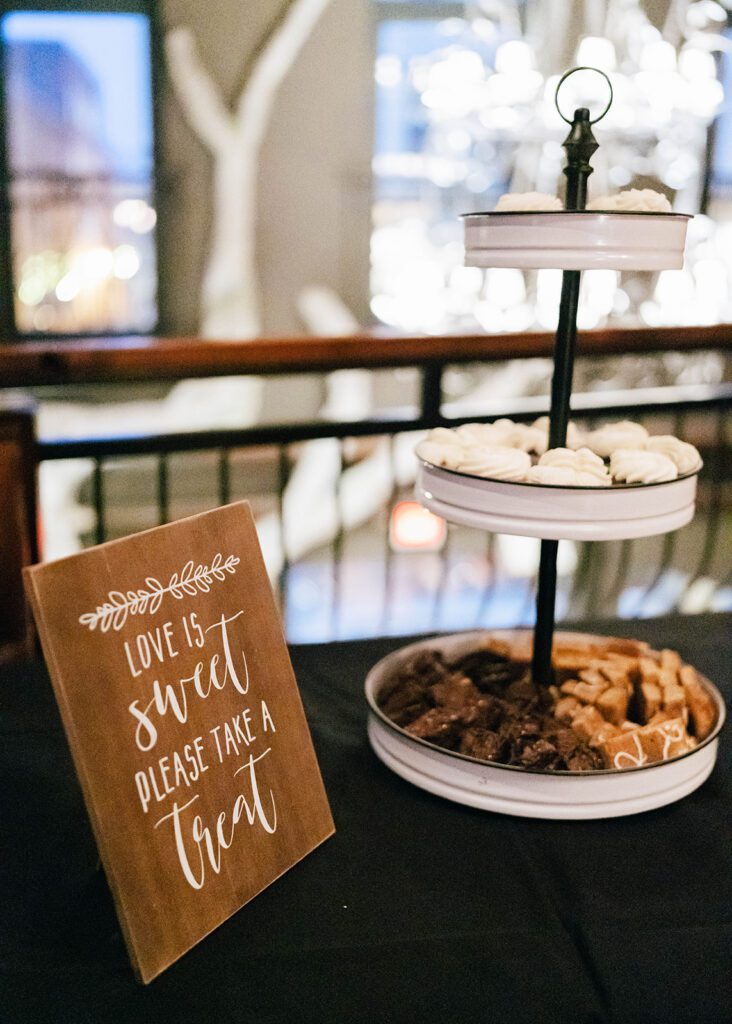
(352, 581)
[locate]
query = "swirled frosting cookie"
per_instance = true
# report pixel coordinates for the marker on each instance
(620, 452)
(633, 200)
(612, 436)
(440, 453)
(684, 456)
(639, 466)
(587, 469)
(516, 202)
(497, 462)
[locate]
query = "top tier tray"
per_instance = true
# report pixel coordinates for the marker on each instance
(576, 240)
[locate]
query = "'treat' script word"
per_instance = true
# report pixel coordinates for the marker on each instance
(197, 845)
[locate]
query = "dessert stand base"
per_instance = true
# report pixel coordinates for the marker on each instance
(557, 513)
(518, 791)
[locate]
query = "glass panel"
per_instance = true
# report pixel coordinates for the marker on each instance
(80, 151)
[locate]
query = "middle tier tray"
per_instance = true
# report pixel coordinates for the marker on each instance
(620, 512)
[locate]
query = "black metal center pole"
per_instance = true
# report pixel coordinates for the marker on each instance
(580, 144)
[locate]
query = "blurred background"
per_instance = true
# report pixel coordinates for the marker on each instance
(231, 171)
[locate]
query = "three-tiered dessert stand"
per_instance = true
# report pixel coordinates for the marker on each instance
(571, 240)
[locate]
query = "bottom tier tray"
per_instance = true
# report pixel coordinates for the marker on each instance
(620, 512)
(519, 791)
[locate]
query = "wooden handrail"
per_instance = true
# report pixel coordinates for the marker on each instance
(18, 537)
(94, 360)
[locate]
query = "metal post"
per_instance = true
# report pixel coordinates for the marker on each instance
(564, 346)
(580, 144)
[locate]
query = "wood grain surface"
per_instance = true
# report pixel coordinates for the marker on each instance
(89, 360)
(185, 723)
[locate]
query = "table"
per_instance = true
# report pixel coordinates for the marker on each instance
(417, 910)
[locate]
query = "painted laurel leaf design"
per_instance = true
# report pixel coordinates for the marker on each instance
(191, 580)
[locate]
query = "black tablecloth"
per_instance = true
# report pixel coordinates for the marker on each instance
(417, 910)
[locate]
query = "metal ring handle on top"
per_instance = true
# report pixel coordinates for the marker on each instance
(561, 82)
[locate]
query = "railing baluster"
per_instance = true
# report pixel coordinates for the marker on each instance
(624, 559)
(489, 586)
(388, 591)
(283, 474)
(224, 476)
(595, 595)
(337, 547)
(716, 474)
(444, 556)
(100, 528)
(163, 489)
(528, 607)
(667, 551)
(581, 577)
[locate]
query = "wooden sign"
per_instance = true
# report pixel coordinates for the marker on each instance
(185, 723)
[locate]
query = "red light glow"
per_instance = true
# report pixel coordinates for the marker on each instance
(413, 528)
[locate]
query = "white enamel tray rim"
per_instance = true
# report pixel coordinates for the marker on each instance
(642, 526)
(486, 798)
(614, 214)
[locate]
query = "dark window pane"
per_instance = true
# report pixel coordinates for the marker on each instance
(80, 153)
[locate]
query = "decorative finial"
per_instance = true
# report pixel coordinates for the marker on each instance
(580, 144)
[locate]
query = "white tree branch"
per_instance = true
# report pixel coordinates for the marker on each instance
(230, 300)
(258, 95)
(198, 96)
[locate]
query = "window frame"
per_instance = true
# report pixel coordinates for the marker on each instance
(9, 332)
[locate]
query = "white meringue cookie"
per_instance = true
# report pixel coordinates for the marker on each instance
(589, 469)
(528, 438)
(612, 436)
(588, 459)
(559, 476)
(440, 454)
(638, 466)
(581, 458)
(505, 431)
(480, 433)
(443, 435)
(684, 456)
(575, 437)
(513, 202)
(633, 200)
(500, 463)
(558, 457)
